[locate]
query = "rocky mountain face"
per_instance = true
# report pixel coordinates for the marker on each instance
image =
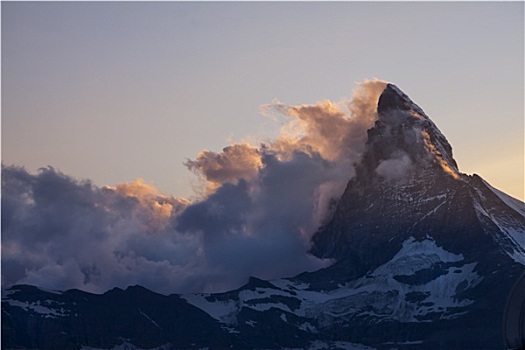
(425, 259)
(408, 185)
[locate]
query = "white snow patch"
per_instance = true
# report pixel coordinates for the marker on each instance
(429, 213)
(513, 241)
(8, 292)
(339, 345)
(231, 330)
(415, 256)
(288, 284)
(128, 346)
(226, 311)
(223, 311)
(260, 293)
(442, 290)
(410, 342)
(52, 291)
(40, 308)
(517, 236)
(149, 318)
(428, 199)
(350, 346)
(268, 306)
(307, 327)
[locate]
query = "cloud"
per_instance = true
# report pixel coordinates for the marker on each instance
(337, 131)
(61, 233)
(265, 224)
(238, 161)
(395, 167)
(156, 209)
(255, 217)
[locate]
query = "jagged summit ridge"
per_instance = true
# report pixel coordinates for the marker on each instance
(404, 134)
(393, 98)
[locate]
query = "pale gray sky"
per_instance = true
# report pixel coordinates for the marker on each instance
(113, 91)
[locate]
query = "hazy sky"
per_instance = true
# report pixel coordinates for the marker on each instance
(116, 91)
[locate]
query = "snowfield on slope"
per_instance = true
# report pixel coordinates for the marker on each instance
(381, 290)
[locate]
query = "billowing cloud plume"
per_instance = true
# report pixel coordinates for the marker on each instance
(326, 128)
(260, 207)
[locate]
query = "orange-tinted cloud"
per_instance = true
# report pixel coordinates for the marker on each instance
(237, 161)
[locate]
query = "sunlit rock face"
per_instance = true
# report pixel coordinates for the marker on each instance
(424, 258)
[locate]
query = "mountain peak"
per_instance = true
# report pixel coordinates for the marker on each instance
(404, 131)
(393, 98)
(406, 171)
(407, 184)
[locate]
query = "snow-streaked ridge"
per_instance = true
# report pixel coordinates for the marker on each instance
(512, 202)
(512, 237)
